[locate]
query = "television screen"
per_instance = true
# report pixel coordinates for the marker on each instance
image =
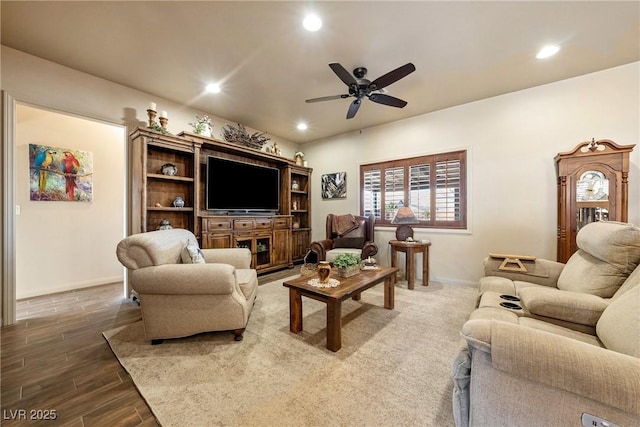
(241, 187)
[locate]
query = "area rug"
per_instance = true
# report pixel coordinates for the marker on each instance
(393, 368)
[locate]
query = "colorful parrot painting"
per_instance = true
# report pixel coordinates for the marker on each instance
(60, 174)
(42, 161)
(70, 167)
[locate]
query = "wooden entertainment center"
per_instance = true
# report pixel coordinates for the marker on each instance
(275, 240)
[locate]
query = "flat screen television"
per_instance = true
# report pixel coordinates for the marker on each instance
(238, 187)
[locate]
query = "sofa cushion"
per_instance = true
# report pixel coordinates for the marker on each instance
(619, 325)
(348, 242)
(191, 254)
(575, 307)
(543, 325)
(632, 281)
(609, 252)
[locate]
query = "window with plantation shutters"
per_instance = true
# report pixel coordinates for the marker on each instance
(433, 186)
(371, 196)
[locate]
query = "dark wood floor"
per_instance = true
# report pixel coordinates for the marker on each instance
(56, 363)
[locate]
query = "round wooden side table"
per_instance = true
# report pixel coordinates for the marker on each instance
(410, 249)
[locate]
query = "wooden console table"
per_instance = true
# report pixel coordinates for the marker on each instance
(410, 249)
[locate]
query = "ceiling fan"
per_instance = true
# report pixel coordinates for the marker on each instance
(359, 87)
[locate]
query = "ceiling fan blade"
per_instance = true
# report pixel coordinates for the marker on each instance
(353, 108)
(392, 76)
(344, 75)
(387, 100)
(328, 98)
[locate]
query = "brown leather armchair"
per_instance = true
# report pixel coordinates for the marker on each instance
(346, 234)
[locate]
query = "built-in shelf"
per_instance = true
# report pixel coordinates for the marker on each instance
(275, 241)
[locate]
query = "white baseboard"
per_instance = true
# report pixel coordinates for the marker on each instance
(67, 287)
(451, 281)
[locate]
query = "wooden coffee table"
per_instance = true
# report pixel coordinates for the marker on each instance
(350, 287)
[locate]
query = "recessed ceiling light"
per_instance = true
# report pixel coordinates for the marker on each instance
(213, 88)
(547, 51)
(312, 23)
(302, 126)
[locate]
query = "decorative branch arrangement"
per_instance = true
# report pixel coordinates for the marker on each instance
(240, 135)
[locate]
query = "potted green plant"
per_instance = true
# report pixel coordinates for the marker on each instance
(347, 264)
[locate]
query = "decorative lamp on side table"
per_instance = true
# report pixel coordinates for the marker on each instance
(405, 243)
(403, 218)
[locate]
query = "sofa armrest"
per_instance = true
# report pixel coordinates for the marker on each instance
(184, 279)
(560, 362)
(575, 307)
(320, 247)
(237, 257)
(540, 271)
(369, 249)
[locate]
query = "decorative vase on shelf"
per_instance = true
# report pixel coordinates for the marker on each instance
(164, 225)
(324, 270)
(178, 202)
(298, 160)
(202, 126)
(205, 130)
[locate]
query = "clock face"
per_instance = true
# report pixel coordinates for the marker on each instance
(592, 185)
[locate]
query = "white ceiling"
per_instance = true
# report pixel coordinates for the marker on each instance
(268, 64)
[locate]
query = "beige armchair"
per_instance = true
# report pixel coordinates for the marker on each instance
(184, 290)
(574, 294)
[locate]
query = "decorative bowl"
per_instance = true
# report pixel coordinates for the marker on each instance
(169, 169)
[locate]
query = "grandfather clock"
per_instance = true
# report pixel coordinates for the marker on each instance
(592, 186)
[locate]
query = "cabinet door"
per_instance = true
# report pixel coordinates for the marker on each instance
(263, 247)
(216, 240)
(300, 242)
(281, 250)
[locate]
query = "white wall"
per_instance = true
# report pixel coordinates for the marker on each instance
(32, 80)
(511, 141)
(36, 81)
(69, 245)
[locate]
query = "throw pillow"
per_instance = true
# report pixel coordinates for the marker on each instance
(191, 254)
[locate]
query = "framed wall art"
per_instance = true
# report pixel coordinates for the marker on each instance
(60, 174)
(334, 185)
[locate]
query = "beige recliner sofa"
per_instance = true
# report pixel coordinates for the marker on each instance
(184, 290)
(568, 357)
(574, 294)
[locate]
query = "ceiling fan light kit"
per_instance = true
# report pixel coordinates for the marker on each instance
(360, 87)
